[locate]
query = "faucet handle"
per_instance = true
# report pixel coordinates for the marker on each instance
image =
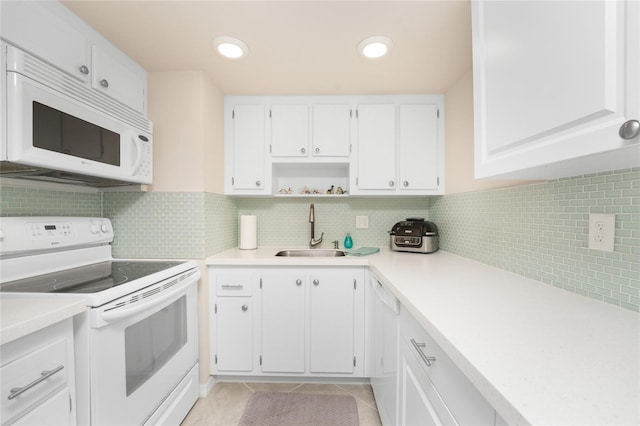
(336, 244)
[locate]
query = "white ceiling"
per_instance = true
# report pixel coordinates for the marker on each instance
(295, 47)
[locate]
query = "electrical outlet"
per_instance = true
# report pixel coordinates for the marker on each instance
(602, 231)
(362, 222)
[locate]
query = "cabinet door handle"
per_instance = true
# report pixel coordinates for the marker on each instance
(629, 129)
(391, 183)
(258, 183)
(104, 83)
(316, 282)
(84, 69)
(303, 150)
(427, 359)
(317, 150)
(232, 286)
(405, 183)
(298, 281)
(245, 308)
(44, 376)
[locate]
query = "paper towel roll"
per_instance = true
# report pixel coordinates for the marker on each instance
(248, 232)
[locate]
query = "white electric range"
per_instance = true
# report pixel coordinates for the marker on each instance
(136, 347)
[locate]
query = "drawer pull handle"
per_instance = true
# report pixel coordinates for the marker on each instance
(232, 286)
(45, 375)
(427, 359)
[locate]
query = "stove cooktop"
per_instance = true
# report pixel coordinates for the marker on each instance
(92, 278)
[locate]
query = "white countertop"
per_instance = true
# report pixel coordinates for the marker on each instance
(539, 354)
(22, 316)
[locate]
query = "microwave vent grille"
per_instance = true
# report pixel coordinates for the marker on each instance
(54, 78)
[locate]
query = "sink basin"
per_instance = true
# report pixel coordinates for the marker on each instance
(310, 253)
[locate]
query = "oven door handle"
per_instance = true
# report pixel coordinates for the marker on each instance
(117, 314)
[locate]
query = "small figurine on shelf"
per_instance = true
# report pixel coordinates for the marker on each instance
(289, 191)
(330, 190)
(306, 190)
(282, 191)
(317, 191)
(339, 190)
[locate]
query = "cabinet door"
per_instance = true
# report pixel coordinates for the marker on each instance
(418, 145)
(331, 130)
(55, 411)
(234, 334)
(44, 30)
(120, 79)
(420, 403)
(377, 147)
(331, 326)
(550, 88)
(283, 322)
(289, 130)
(248, 147)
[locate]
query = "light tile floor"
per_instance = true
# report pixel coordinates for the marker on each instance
(225, 403)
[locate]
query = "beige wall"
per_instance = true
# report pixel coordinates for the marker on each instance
(187, 113)
(459, 150)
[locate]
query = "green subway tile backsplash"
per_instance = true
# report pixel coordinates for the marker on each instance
(538, 230)
(171, 224)
(285, 222)
(541, 231)
(21, 201)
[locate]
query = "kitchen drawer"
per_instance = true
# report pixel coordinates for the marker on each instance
(233, 282)
(462, 398)
(51, 360)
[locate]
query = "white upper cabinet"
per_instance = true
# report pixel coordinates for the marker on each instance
(245, 148)
(40, 29)
(117, 79)
(554, 83)
(418, 147)
(54, 34)
(376, 147)
(399, 148)
(331, 130)
(289, 130)
(367, 145)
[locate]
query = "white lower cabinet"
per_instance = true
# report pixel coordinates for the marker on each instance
(38, 378)
(283, 321)
(433, 391)
(234, 332)
(299, 321)
(332, 310)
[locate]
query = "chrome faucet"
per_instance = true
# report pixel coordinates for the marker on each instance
(312, 219)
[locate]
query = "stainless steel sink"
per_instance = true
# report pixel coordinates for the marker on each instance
(310, 253)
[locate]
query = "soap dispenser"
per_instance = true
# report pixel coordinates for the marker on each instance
(348, 242)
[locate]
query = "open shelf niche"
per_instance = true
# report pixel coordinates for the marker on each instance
(310, 180)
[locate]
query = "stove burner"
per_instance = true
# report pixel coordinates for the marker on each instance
(87, 279)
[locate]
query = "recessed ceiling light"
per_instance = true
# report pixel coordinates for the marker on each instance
(230, 47)
(375, 46)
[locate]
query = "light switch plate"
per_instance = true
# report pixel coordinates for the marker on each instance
(362, 222)
(602, 231)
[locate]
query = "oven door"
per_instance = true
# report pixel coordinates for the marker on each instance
(141, 350)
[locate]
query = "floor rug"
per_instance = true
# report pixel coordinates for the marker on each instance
(298, 409)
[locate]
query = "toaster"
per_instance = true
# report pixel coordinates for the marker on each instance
(414, 235)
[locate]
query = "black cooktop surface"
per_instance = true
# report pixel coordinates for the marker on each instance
(87, 279)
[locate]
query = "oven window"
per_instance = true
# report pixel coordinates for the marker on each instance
(150, 343)
(57, 131)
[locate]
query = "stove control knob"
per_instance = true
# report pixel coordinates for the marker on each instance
(104, 228)
(94, 228)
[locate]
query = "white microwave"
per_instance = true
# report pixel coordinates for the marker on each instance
(56, 128)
